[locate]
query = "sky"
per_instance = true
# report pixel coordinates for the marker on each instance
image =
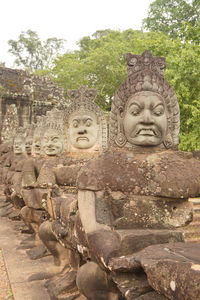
(67, 19)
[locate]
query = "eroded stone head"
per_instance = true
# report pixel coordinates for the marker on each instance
(19, 141)
(29, 139)
(53, 138)
(39, 129)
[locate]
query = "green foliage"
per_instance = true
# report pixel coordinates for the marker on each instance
(100, 64)
(173, 17)
(33, 54)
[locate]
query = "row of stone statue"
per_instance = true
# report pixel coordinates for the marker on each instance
(109, 205)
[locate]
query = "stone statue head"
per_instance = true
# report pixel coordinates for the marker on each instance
(29, 139)
(83, 129)
(18, 143)
(85, 122)
(145, 109)
(37, 135)
(53, 140)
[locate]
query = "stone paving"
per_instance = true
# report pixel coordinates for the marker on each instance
(19, 267)
(5, 289)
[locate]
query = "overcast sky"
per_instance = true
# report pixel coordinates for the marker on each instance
(66, 19)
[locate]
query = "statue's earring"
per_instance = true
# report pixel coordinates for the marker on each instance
(120, 139)
(168, 142)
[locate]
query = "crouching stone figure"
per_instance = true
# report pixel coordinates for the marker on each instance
(136, 194)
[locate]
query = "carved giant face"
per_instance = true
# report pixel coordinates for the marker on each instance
(83, 129)
(18, 146)
(145, 120)
(52, 143)
(28, 145)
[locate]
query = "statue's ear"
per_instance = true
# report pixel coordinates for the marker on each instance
(168, 141)
(121, 111)
(120, 138)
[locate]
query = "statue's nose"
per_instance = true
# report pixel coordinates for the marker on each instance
(147, 118)
(82, 131)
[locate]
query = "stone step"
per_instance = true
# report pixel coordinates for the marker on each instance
(196, 218)
(192, 240)
(196, 209)
(193, 227)
(195, 200)
(192, 235)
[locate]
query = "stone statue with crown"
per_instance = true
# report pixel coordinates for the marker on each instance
(85, 129)
(136, 194)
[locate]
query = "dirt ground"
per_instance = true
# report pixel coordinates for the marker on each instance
(5, 289)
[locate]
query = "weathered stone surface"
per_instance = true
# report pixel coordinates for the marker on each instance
(151, 296)
(132, 285)
(143, 174)
(151, 197)
(172, 269)
(24, 97)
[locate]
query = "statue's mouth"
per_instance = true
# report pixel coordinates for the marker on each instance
(147, 131)
(51, 149)
(82, 138)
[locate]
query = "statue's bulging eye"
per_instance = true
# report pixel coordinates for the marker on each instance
(55, 139)
(75, 124)
(158, 111)
(88, 123)
(135, 112)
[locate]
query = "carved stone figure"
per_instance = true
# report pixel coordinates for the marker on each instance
(86, 131)
(13, 170)
(47, 141)
(136, 194)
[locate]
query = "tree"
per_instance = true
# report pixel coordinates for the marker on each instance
(172, 17)
(100, 64)
(33, 54)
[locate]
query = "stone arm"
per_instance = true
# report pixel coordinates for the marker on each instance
(28, 174)
(87, 211)
(46, 178)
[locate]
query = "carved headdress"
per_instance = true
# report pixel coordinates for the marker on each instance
(83, 99)
(145, 73)
(39, 126)
(30, 131)
(54, 120)
(20, 133)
